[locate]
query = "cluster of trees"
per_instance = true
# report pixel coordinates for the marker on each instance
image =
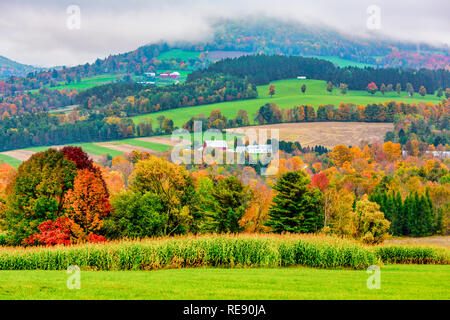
(42, 100)
(40, 129)
(134, 99)
(262, 69)
(360, 192)
(56, 197)
(295, 147)
(415, 60)
(413, 216)
(383, 112)
(418, 131)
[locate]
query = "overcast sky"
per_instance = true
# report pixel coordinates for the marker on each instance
(36, 32)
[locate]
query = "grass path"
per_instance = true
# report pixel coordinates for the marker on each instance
(397, 282)
(287, 95)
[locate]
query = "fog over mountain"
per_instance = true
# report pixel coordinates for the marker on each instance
(36, 33)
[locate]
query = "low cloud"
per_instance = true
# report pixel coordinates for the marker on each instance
(36, 33)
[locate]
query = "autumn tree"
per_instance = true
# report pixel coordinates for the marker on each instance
(393, 150)
(329, 87)
(256, 214)
(341, 215)
(167, 126)
(271, 90)
(398, 88)
(372, 88)
(340, 155)
(343, 88)
(87, 204)
(297, 207)
(38, 193)
(370, 225)
(422, 91)
(410, 89)
(174, 186)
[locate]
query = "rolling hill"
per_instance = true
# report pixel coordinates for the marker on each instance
(287, 95)
(10, 68)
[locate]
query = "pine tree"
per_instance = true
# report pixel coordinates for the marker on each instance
(297, 206)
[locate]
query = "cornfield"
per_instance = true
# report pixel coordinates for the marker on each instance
(217, 251)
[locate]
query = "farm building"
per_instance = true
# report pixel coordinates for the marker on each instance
(259, 149)
(175, 75)
(217, 144)
(254, 149)
(301, 78)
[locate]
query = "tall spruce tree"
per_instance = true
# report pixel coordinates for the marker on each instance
(297, 206)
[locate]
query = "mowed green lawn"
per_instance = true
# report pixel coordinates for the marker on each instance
(397, 282)
(287, 95)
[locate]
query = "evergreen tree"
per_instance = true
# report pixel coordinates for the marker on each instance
(297, 206)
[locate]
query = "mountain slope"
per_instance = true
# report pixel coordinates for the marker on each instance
(10, 68)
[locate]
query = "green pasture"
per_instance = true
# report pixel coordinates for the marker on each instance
(10, 160)
(178, 53)
(287, 95)
(396, 282)
(342, 63)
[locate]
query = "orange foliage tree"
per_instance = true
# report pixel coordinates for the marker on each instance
(87, 203)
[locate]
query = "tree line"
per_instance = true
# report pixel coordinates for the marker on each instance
(262, 69)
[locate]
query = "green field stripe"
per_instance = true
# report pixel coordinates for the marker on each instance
(10, 160)
(90, 147)
(98, 150)
(146, 144)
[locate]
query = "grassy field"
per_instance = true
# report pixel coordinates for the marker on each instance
(145, 144)
(10, 160)
(94, 149)
(287, 95)
(87, 147)
(397, 282)
(86, 83)
(339, 62)
(178, 53)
